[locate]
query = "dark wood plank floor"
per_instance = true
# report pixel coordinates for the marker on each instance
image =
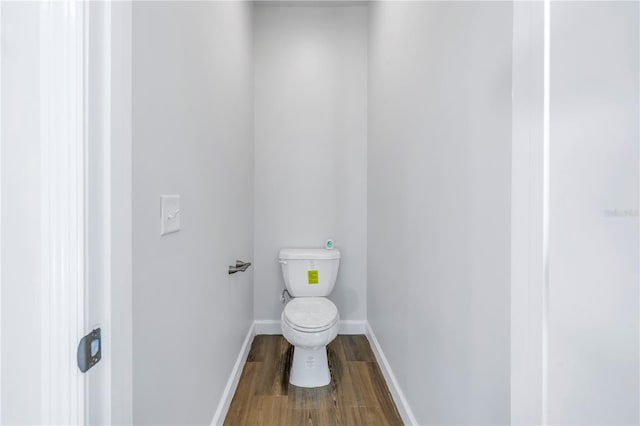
(357, 395)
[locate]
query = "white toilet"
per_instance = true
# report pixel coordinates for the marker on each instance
(310, 321)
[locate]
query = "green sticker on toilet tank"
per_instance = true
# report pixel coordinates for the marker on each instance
(313, 276)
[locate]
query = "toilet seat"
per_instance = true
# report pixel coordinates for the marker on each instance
(310, 314)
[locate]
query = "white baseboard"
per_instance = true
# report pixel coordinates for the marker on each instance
(346, 327)
(234, 378)
(394, 387)
(353, 327)
(267, 327)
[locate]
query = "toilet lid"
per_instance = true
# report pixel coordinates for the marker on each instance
(310, 313)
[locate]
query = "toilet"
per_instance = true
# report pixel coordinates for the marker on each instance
(309, 321)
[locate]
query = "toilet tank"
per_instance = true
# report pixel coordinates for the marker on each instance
(309, 272)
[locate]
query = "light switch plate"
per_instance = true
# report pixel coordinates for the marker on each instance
(169, 214)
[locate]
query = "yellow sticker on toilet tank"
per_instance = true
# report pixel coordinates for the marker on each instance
(313, 276)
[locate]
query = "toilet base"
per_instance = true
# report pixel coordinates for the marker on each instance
(310, 368)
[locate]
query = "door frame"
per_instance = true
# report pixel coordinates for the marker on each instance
(63, 127)
(529, 211)
(86, 216)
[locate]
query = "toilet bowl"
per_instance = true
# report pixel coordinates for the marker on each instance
(309, 321)
(310, 324)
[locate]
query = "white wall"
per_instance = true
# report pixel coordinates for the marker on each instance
(121, 215)
(192, 135)
(21, 311)
(593, 327)
(310, 145)
(439, 169)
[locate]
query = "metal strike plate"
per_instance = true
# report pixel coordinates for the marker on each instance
(89, 350)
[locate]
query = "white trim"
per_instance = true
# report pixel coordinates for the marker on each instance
(63, 130)
(545, 211)
(346, 327)
(234, 378)
(394, 387)
(98, 198)
(353, 327)
(267, 327)
(526, 214)
(1, 211)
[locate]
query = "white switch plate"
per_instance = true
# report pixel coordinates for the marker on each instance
(169, 214)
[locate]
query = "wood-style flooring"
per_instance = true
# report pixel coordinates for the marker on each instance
(357, 395)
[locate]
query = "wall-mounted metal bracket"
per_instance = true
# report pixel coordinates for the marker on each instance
(240, 267)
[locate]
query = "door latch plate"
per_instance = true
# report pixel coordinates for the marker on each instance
(90, 350)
